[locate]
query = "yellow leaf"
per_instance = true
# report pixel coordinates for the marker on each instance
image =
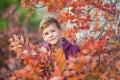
(93, 65)
(51, 1)
(84, 59)
(85, 51)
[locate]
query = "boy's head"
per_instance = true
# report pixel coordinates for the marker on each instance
(48, 21)
(50, 29)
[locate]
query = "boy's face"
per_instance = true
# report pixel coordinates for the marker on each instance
(51, 34)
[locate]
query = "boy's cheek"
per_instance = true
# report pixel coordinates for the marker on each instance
(44, 38)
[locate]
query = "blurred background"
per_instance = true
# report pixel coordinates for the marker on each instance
(15, 19)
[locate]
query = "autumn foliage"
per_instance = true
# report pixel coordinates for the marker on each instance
(100, 55)
(37, 61)
(97, 61)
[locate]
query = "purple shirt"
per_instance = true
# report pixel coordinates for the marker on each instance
(68, 48)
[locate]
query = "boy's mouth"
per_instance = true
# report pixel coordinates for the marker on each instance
(52, 39)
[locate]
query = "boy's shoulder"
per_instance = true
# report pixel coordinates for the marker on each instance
(70, 48)
(67, 43)
(66, 46)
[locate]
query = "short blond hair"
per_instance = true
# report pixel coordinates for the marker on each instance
(48, 21)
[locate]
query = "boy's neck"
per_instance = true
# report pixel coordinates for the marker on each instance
(57, 46)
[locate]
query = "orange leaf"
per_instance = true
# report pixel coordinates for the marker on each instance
(118, 65)
(103, 76)
(27, 40)
(57, 71)
(118, 78)
(79, 67)
(73, 78)
(102, 13)
(81, 77)
(96, 27)
(105, 56)
(93, 65)
(112, 72)
(33, 47)
(84, 59)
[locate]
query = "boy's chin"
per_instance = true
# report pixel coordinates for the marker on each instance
(53, 43)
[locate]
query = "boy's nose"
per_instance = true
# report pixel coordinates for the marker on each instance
(50, 35)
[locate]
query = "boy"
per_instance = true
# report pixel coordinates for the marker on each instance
(60, 47)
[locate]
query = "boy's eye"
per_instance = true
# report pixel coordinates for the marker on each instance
(46, 33)
(53, 31)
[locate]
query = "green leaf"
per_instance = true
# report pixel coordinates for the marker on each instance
(4, 4)
(3, 24)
